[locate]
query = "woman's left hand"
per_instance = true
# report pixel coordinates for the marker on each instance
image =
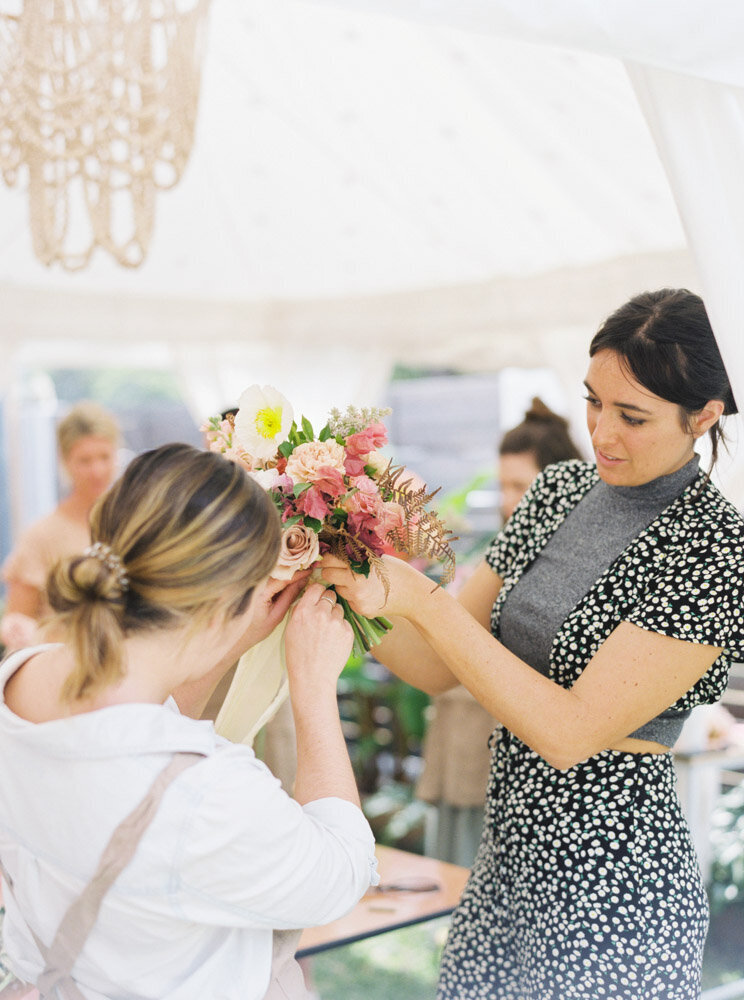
(272, 604)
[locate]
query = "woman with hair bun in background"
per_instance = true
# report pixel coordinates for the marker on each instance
(456, 756)
(88, 438)
(541, 439)
(204, 859)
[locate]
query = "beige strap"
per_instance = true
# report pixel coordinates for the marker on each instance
(287, 981)
(79, 919)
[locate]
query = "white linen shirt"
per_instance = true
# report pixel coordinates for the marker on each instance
(228, 857)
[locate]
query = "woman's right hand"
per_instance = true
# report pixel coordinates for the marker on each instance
(392, 591)
(317, 642)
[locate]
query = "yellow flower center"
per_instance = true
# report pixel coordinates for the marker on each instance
(269, 422)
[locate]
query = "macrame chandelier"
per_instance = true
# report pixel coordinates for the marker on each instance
(98, 102)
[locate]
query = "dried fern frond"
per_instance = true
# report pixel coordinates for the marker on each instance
(394, 487)
(427, 537)
(423, 534)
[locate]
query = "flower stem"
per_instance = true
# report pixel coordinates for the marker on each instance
(368, 632)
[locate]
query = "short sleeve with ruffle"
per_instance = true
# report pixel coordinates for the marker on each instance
(698, 594)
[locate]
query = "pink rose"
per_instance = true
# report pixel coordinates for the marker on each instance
(300, 549)
(305, 463)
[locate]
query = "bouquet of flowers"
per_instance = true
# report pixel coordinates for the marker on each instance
(335, 492)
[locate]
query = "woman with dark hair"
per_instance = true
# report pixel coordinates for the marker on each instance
(203, 857)
(606, 609)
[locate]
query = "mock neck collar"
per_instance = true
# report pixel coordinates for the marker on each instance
(663, 489)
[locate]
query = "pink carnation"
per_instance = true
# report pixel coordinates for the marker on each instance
(311, 460)
(365, 496)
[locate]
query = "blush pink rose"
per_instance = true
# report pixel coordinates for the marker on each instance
(300, 549)
(305, 463)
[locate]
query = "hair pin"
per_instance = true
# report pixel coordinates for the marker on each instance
(105, 554)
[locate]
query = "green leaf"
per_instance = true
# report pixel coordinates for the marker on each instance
(286, 448)
(292, 520)
(313, 524)
(301, 488)
(308, 429)
(325, 433)
(361, 568)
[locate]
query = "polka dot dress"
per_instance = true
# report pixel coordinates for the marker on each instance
(585, 885)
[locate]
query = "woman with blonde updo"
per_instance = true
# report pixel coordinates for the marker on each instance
(88, 439)
(203, 857)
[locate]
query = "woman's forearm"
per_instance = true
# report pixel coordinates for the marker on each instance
(634, 675)
(323, 766)
(499, 680)
(406, 653)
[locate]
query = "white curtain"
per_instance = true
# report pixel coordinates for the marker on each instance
(685, 60)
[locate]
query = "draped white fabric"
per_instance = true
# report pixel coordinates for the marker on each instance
(685, 60)
(416, 180)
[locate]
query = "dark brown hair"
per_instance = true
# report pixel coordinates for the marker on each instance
(667, 343)
(543, 434)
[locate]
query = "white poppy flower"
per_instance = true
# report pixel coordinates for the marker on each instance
(263, 421)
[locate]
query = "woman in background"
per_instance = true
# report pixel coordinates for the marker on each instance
(456, 755)
(88, 439)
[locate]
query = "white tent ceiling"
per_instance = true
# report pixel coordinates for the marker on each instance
(340, 154)
(379, 188)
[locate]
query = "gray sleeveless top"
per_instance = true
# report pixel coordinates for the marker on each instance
(592, 536)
